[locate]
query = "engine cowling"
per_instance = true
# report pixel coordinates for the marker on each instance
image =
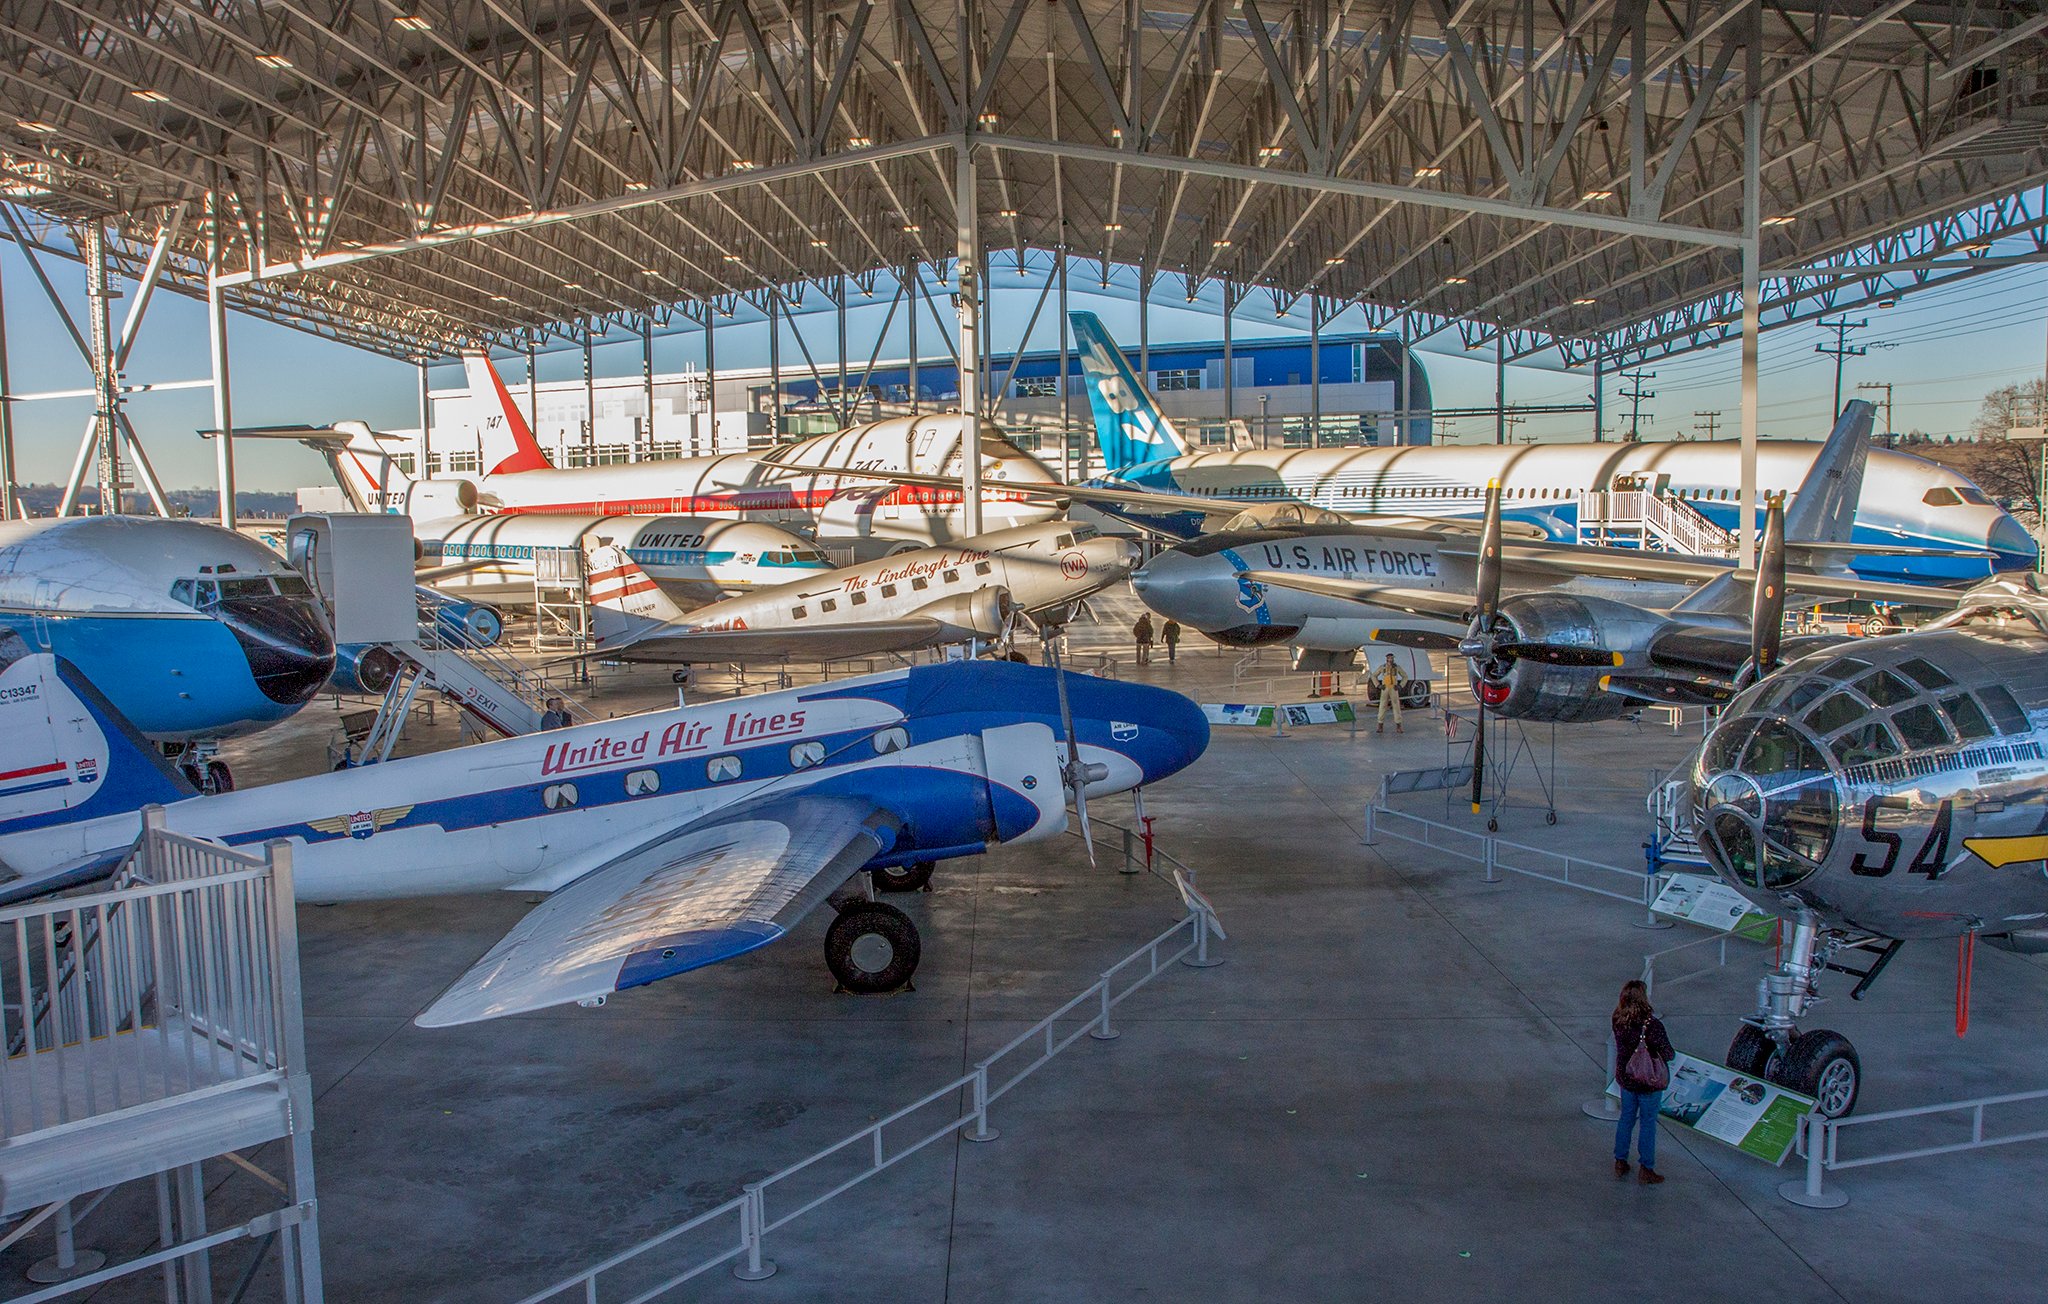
(427, 500)
(363, 670)
(1526, 689)
(983, 614)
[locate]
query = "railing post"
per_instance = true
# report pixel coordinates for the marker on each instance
(1492, 872)
(1651, 889)
(1104, 1032)
(981, 1131)
(1370, 831)
(1130, 867)
(68, 1261)
(1604, 1107)
(1816, 1133)
(753, 1218)
(1201, 959)
(150, 847)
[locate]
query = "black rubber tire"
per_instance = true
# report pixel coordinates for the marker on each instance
(679, 677)
(905, 878)
(1550, 817)
(1493, 826)
(1873, 626)
(865, 919)
(1751, 1051)
(1823, 1064)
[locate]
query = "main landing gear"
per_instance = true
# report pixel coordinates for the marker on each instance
(1820, 1063)
(872, 948)
(204, 771)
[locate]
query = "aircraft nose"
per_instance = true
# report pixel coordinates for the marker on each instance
(1191, 590)
(288, 642)
(2015, 548)
(1173, 737)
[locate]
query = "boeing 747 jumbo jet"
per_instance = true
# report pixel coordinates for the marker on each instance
(670, 841)
(198, 633)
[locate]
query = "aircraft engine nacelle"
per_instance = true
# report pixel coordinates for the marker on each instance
(1527, 689)
(2030, 941)
(427, 500)
(363, 670)
(983, 614)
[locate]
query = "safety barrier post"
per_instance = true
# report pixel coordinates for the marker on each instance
(981, 1131)
(1651, 887)
(1604, 1108)
(1492, 872)
(1104, 1032)
(1817, 1139)
(753, 1217)
(1130, 865)
(1370, 832)
(1201, 958)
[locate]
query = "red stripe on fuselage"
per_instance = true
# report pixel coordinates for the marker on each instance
(774, 500)
(51, 768)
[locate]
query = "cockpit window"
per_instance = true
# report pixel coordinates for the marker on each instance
(811, 557)
(1843, 668)
(1866, 742)
(1942, 496)
(181, 590)
(294, 586)
(1968, 718)
(1973, 495)
(2004, 708)
(1925, 672)
(1921, 727)
(1083, 533)
(1885, 688)
(235, 590)
(1834, 712)
(1768, 822)
(1776, 749)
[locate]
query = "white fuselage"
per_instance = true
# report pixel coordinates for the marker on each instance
(695, 559)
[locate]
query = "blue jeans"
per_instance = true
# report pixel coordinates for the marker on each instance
(1638, 1112)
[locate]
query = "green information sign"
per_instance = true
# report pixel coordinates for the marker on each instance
(1756, 1117)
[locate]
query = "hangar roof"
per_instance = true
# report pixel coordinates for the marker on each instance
(419, 175)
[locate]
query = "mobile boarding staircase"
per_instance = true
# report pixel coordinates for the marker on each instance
(505, 697)
(152, 1027)
(1639, 518)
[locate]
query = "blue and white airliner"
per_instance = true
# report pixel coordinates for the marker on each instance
(1956, 533)
(194, 632)
(669, 841)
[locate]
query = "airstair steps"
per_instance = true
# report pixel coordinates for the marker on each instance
(1641, 518)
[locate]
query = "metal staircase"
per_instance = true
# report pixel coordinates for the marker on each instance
(499, 693)
(1639, 518)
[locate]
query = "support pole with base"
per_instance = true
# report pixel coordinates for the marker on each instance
(753, 1222)
(981, 1131)
(1604, 1107)
(69, 1261)
(1103, 1032)
(1814, 1136)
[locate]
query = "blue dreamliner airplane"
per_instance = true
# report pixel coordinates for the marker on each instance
(669, 841)
(195, 633)
(1157, 481)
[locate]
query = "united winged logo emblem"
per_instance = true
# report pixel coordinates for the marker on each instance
(362, 823)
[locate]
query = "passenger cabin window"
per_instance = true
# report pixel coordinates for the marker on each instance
(797, 613)
(893, 739)
(804, 755)
(860, 599)
(888, 590)
(951, 577)
(920, 582)
(982, 568)
(721, 768)
(829, 604)
(641, 782)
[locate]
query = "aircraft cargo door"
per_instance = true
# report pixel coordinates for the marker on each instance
(1024, 789)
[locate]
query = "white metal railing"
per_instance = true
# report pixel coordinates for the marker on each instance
(1604, 516)
(1823, 1153)
(746, 1220)
(1719, 941)
(1498, 854)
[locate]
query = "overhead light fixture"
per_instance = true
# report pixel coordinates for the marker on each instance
(35, 125)
(1592, 195)
(649, 271)
(1270, 151)
(273, 61)
(1006, 213)
(744, 165)
(1112, 227)
(912, 228)
(1219, 244)
(1424, 174)
(1279, 312)
(819, 244)
(858, 142)
(411, 22)
(637, 186)
(572, 285)
(1584, 303)
(988, 119)
(1454, 280)
(1780, 220)
(153, 97)
(1333, 262)
(1116, 133)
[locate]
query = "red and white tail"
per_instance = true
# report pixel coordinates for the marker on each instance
(626, 604)
(508, 442)
(371, 475)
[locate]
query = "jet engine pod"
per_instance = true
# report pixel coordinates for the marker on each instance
(365, 670)
(1519, 685)
(983, 614)
(427, 500)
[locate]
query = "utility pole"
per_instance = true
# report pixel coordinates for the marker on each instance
(1635, 394)
(1711, 420)
(1841, 348)
(1508, 424)
(1890, 431)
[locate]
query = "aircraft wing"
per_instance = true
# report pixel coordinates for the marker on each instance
(1420, 602)
(823, 643)
(713, 889)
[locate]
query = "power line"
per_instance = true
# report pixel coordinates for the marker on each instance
(1841, 348)
(1711, 420)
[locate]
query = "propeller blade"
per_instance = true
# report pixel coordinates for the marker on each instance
(1767, 597)
(1479, 758)
(1427, 640)
(1488, 593)
(1072, 777)
(1560, 654)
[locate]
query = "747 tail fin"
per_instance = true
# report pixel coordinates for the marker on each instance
(1129, 427)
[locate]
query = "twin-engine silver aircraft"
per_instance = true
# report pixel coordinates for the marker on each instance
(670, 841)
(1886, 790)
(952, 593)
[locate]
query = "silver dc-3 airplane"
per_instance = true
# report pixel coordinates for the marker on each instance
(669, 841)
(952, 593)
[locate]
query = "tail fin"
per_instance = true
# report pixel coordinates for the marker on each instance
(626, 604)
(1129, 427)
(66, 755)
(508, 442)
(1823, 508)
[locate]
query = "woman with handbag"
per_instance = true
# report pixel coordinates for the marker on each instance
(1642, 1058)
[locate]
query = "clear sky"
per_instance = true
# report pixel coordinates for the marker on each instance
(1942, 350)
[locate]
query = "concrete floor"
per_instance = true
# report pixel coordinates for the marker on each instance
(1376, 1097)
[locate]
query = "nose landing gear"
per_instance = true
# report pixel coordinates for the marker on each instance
(1820, 1063)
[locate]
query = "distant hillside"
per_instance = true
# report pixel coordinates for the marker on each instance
(42, 500)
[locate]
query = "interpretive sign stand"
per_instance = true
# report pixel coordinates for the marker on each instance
(1756, 1117)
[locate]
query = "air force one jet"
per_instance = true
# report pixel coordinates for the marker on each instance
(1156, 480)
(198, 633)
(950, 593)
(670, 841)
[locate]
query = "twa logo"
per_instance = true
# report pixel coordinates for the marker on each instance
(1073, 566)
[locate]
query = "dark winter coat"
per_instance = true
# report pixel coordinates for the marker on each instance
(1627, 1032)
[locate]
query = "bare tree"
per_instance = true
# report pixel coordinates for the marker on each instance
(2006, 407)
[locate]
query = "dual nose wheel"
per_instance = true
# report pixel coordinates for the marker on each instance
(1822, 1064)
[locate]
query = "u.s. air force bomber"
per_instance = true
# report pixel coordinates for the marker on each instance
(971, 591)
(196, 633)
(670, 841)
(1887, 790)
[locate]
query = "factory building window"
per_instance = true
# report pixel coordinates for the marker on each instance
(1176, 378)
(1037, 387)
(467, 461)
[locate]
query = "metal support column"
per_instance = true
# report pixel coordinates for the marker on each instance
(1500, 387)
(532, 387)
(647, 382)
(1067, 445)
(589, 397)
(711, 376)
(775, 365)
(840, 403)
(1752, 286)
(967, 245)
(1403, 430)
(1598, 431)
(223, 398)
(1144, 329)
(1229, 365)
(8, 510)
(1315, 371)
(913, 279)
(106, 375)
(425, 468)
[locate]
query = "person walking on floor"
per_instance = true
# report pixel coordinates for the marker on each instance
(1391, 681)
(1642, 1056)
(1170, 632)
(1141, 635)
